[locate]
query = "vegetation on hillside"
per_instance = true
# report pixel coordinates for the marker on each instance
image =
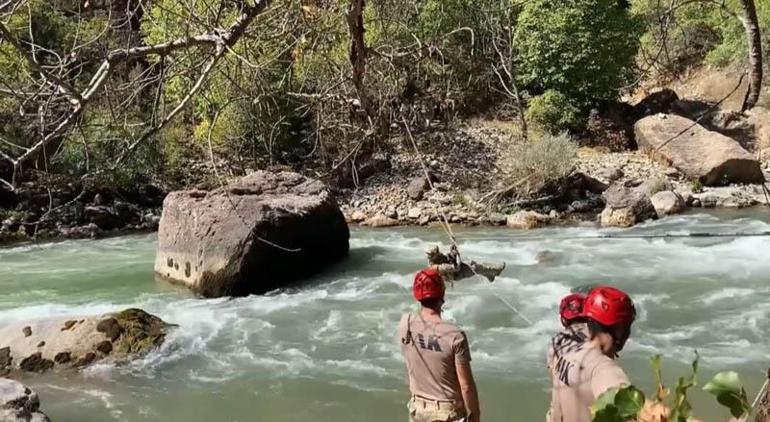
(134, 91)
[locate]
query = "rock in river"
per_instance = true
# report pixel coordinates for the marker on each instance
(74, 342)
(257, 234)
(18, 403)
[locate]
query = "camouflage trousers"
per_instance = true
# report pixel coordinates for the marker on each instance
(422, 410)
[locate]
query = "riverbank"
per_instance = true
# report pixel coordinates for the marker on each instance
(466, 164)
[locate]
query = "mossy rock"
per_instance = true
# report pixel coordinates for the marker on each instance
(138, 332)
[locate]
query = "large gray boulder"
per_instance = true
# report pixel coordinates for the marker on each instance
(18, 403)
(75, 342)
(700, 154)
(257, 234)
(626, 206)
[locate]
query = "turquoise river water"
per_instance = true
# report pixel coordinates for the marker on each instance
(325, 351)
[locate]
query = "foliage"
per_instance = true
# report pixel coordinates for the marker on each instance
(554, 112)
(727, 388)
(630, 404)
(533, 165)
(584, 49)
(684, 33)
(282, 94)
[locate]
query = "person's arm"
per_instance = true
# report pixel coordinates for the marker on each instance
(468, 389)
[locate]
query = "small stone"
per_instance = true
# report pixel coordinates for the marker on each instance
(380, 220)
(611, 174)
(414, 213)
(27, 331)
(88, 359)
(424, 220)
(358, 216)
(668, 203)
(62, 358)
(527, 220)
(104, 347)
(110, 327)
(68, 325)
(41, 344)
(5, 357)
(497, 219)
(36, 363)
(417, 188)
(671, 173)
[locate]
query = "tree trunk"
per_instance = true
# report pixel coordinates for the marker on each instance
(358, 52)
(754, 39)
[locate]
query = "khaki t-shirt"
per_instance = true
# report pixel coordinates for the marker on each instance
(580, 373)
(431, 352)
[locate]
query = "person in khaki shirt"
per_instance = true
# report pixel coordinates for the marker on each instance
(438, 359)
(581, 359)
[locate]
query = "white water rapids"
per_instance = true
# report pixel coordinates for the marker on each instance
(326, 351)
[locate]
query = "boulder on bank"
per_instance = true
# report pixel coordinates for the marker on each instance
(626, 206)
(709, 157)
(668, 203)
(255, 235)
(527, 220)
(39, 346)
(18, 403)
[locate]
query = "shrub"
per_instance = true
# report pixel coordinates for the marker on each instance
(583, 48)
(554, 113)
(532, 166)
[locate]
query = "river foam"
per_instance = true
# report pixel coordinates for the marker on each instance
(336, 334)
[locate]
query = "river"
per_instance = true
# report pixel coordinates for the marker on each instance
(326, 351)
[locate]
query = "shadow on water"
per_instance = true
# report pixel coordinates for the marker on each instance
(361, 262)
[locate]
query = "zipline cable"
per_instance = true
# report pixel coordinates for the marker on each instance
(448, 229)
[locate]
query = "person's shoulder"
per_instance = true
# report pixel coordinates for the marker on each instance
(598, 362)
(452, 330)
(449, 327)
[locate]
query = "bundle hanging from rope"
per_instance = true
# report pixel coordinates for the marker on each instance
(451, 264)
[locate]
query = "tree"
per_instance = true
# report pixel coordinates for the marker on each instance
(754, 39)
(584, 49)
(55, 89)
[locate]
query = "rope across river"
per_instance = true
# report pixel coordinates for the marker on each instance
(448, 228)
(445, 225)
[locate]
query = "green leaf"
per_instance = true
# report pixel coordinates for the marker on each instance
(608, 414)
(618, 405)
(629, 401)
(727, 381)
(604, 401)
(727, 388)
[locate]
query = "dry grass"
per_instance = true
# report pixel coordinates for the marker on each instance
(531, 166)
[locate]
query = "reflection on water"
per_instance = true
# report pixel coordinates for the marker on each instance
(325, 351)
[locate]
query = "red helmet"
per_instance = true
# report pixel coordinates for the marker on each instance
(428, 284)
(609, 306)
(571, 307)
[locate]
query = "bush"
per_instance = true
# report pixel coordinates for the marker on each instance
(584, 49)
(532, 166)
(554, 113)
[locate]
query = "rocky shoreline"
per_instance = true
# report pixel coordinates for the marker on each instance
(44, 209)
(402, 196)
